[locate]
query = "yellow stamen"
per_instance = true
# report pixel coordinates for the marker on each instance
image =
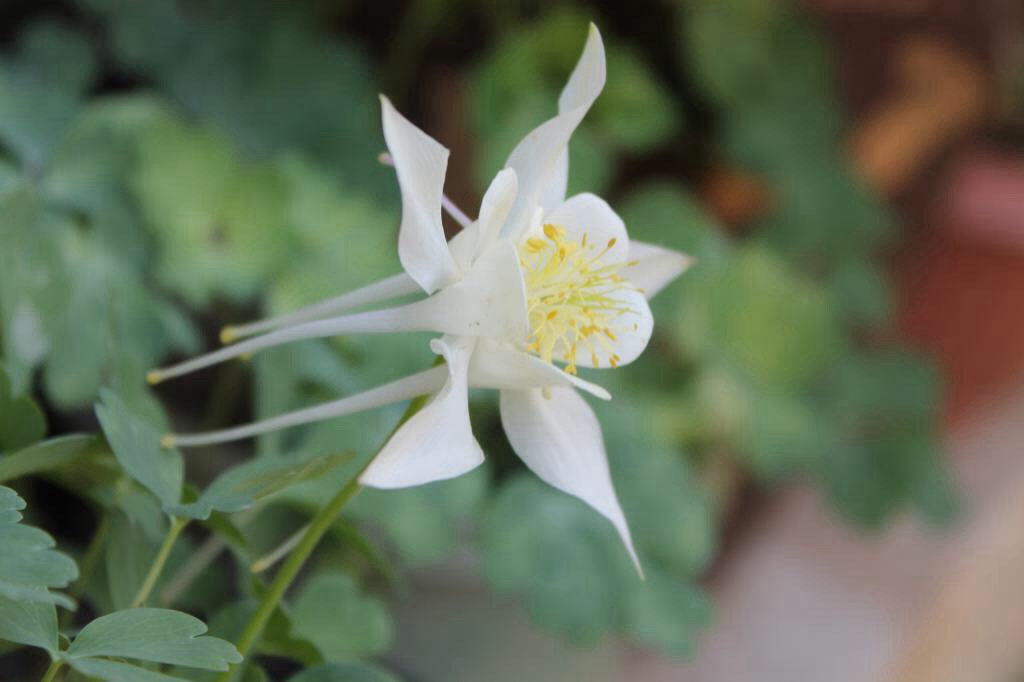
(573, 298)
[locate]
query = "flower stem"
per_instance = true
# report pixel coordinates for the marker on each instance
(295, 561)
(291, 567)
(177, 525)
(51, 672)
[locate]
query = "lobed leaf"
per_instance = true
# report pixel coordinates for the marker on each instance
(21, 421)
(157, 635)
(29, 564)
(49, 454)
(243, 485)
(135, 441)
(330, 612)
(32, 622)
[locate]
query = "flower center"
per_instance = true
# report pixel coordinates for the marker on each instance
(571, 297)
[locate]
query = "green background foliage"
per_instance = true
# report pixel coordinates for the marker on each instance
(167, 167)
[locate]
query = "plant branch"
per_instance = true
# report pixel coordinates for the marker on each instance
(177, 525)
(51, 672)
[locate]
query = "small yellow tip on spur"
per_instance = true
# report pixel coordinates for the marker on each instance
(167, 441)
(153, 377)
(227, 335)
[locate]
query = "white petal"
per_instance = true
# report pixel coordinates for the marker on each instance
(437, 443)
(503, 366)
(591, 215)
(392, 287)
(655, 267)
(479, 236)
(420, 163)
(559, 438)
(540, 160)
(463, 245)
(632, 332)
(587, 79)
(495, 207)
(422, 383)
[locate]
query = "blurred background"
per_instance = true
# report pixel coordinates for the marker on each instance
(819, 452)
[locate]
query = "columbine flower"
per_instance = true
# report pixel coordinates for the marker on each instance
(536, 287)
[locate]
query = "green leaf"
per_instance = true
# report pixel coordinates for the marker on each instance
(11, 505)
(662, 212)
(29, 564)
(569, 564)
(33, 112)
(237, 75)
(66, 298)
(278, 638)
(764, 320)
(331, 612)
(57, 54)
(243, 485)
(21, 421)
(885, 413)
(667, 614)
(135, 441)
(422, 522)
(115, 671)
(861, 293)
(516, 88)
(47, 455)
(634, 111)
(157, 635)
(561, 553)
(33, 622)
(218, 221)
(343, 672)
(128, 553)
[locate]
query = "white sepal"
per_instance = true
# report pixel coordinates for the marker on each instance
(559, 438)
(540, 160)
(421, 164)
(437, 442)
(655, 267)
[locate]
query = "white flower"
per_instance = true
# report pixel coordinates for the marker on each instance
(537, 279)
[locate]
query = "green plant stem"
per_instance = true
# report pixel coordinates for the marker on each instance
(51, 672)
(291, 567)
(297, 559)
(177, 525)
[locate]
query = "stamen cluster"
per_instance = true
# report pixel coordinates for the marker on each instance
(571, 297)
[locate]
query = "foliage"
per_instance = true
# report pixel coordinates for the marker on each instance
(167, 167)
(30, 566)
